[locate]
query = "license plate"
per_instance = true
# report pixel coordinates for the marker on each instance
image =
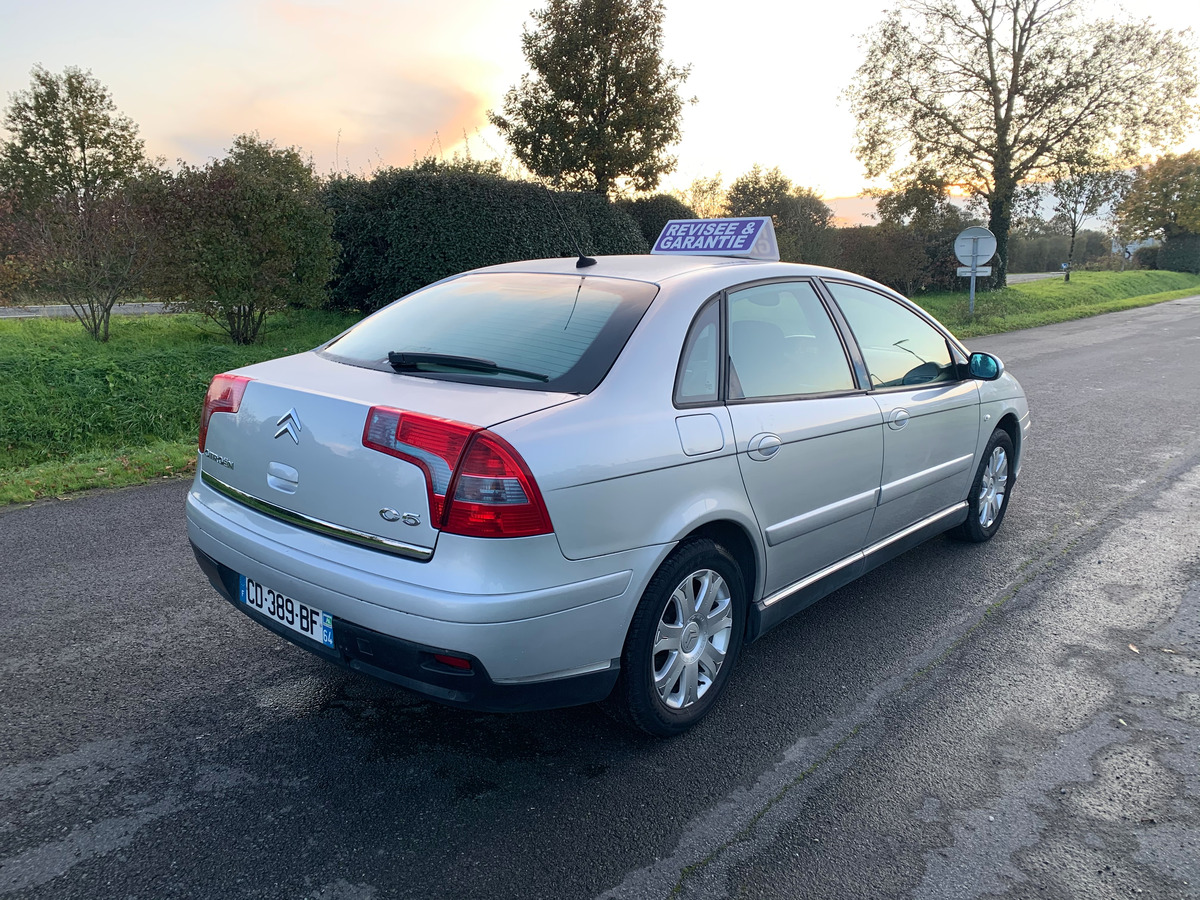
(288, 612)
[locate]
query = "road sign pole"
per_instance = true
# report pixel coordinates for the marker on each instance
(973, 246)
(974, 269)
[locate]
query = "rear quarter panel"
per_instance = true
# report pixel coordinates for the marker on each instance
(612, 466)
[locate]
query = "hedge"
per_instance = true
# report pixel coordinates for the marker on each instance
(401, 229)
(654, 212)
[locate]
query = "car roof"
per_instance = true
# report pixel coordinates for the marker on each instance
(644, 267)
(658, 268)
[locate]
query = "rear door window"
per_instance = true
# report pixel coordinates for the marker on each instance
(545, 332)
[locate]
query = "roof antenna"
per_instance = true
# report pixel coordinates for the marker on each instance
(584, 261)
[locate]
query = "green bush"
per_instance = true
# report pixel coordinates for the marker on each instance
(403, 229)
(1146, 257)
(890, 254)
(1180, 253)
(249, 237)
(653, 213)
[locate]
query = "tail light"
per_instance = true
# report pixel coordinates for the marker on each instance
(478, 484)
(494, 494)
(224, 395)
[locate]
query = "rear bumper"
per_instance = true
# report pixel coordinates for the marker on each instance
(411, 665)
(541, 630)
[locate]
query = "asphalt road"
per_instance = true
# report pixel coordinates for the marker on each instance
(63, 311)
(967, 721)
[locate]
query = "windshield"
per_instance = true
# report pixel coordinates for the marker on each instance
(535, 331)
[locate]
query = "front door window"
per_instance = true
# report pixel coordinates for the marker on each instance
(783, 344)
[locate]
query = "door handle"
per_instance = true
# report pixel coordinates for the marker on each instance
(764, 446)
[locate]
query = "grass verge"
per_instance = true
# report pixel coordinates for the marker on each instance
(75, 414)
(116, 468)
(1053, 300)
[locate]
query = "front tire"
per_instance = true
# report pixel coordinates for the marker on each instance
(990, 491)
(684, 639)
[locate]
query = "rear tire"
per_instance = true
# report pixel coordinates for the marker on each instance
(684, 640)
(990, 491)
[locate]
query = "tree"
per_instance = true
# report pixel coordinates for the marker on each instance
(760, 192)
(801, 218)
(921, 202)
(706, 196)
(1163, 203)
(68, 140)
(93, 256)
(1045, 249)
(78, 183)
(1079, 193)
(991, 93)
(249, 237)
(601, 107)
(1164, 198)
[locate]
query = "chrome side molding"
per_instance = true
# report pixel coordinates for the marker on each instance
(808, 581)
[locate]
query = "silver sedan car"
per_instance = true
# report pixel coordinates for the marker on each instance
(564, 481)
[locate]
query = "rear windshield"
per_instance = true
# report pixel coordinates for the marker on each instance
(543, 332)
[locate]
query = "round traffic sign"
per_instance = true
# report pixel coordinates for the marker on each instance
(975, 246)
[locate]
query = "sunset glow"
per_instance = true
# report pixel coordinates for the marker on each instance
(359, 84)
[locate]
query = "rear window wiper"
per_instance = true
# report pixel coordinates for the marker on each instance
(410, 361)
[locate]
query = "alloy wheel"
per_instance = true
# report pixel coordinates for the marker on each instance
(692, 638)
(993, 487)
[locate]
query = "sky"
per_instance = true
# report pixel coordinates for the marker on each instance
(358, 84)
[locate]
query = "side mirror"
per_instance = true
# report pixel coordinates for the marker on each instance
(985, 367)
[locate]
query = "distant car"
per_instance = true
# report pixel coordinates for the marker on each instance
(553, 482)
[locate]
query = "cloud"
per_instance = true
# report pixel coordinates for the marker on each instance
(352, 131)
(354, 86)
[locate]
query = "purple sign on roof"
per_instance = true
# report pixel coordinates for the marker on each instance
(719, 237)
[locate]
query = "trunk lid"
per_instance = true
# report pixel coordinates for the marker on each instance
(295, 446)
